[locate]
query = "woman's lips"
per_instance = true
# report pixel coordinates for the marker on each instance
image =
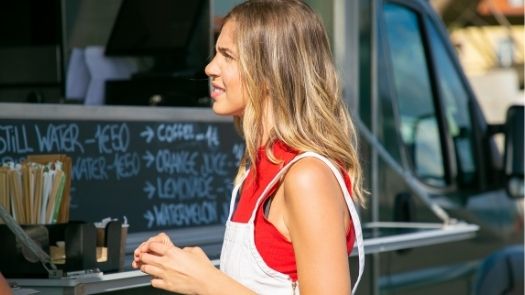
(216, 91)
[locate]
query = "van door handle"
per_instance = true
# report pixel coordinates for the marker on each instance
(404, 211)
(403, 208)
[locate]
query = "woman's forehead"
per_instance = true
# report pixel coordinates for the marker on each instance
(227, 35)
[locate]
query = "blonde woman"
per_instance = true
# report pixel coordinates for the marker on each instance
(295, 223)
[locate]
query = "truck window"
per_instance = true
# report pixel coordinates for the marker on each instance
(457, 111)
(414, 97)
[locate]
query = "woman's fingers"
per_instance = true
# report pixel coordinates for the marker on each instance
(172, 268)
(136, 256)
(162, 244)
(159, 248)
(147, 247)
(165, 239)
(137, 250)
(156, 254)
(151, 259)
(159, 283)
(156, 272)
(162, 238)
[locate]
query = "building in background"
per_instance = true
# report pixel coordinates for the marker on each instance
(489, 36)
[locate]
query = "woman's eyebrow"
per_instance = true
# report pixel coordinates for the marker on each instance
(225, 50)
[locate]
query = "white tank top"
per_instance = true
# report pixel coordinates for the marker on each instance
(240, 258)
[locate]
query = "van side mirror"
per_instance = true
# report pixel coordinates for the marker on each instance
(513, 157)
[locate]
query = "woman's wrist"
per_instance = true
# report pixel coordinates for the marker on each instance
(218, 283)
(213, 282)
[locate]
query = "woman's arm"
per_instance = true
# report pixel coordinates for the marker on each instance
(317, 220)
(183, 270)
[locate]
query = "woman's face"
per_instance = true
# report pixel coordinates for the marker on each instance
(226, 88)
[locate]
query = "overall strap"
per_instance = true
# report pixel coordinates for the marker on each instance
(350, 204)
(235, 192)
(353, 214)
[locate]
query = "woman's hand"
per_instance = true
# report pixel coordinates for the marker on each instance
(186, 270)
(161, 238)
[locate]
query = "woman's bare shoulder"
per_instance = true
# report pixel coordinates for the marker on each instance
(308, 172)
(310, 182)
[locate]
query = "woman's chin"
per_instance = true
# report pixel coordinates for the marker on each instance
(216, 107)
(225, 108)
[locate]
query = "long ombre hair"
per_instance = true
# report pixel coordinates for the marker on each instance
(287, 72)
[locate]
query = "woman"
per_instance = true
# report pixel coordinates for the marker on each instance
(295, 222)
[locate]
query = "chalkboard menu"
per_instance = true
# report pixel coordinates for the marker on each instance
(159, 175)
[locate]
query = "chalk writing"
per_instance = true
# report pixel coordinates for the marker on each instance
(126, 165)
(112, 138)
(185, 188)
(170, 162)
(148, 134)
(173, 132)
(59, 138)
(149, 189)
(238, 151)
(187, 162)
(214, 164)
(89, 168)
(14, 140)
(122, 165)
(181, 214)
(182, 132)
(211, 136)
(149, 158)
(159, 174)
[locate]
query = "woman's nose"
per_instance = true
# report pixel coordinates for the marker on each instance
(211, 69)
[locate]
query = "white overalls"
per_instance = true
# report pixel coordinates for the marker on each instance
(240, 258)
